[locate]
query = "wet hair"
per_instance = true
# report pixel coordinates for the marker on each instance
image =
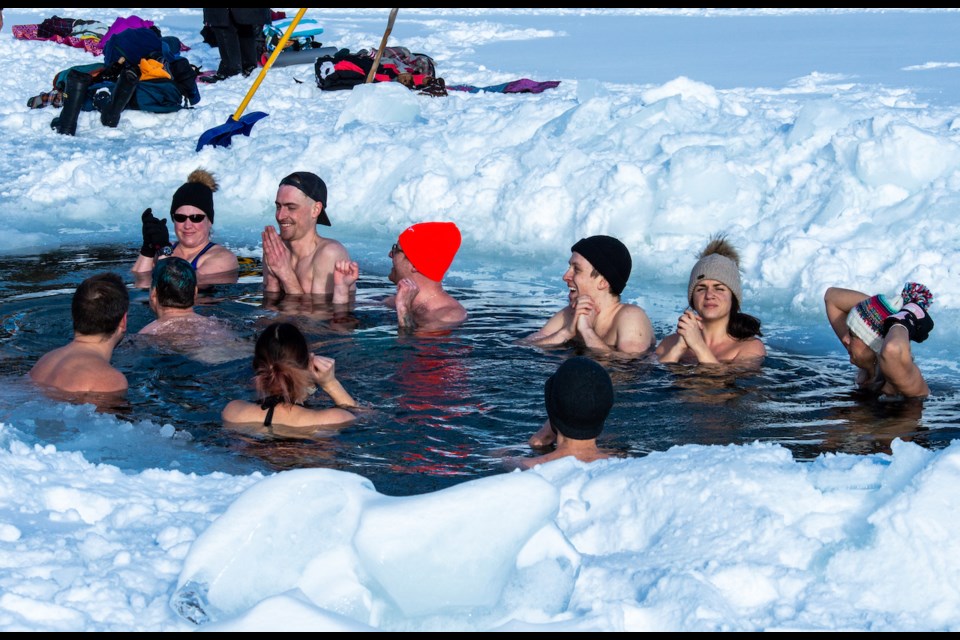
(99, 304)
(742, 325)
(175, 282)
(281, 362)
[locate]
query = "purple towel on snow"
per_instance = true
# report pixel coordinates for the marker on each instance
(529, 86)
(523, 85)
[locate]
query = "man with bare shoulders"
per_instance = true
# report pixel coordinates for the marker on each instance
(298, 260)
(876, 331)
(99, 312)
(420, 256)
(598, 270)
(173, 293)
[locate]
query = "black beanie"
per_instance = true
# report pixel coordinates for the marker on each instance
(578, 398)
(609, 257)
(197, 192)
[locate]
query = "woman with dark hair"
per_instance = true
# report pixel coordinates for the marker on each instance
(713, 330)
(286, 374)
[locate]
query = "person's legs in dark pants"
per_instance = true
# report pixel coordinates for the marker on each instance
(229, 44)
(247, 36)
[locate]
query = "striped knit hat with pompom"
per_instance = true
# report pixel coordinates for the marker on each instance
(866, 319)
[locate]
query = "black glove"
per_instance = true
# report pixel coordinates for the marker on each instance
(155, 234)
(918, 322)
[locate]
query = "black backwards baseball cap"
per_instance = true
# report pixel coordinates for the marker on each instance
(313, 187)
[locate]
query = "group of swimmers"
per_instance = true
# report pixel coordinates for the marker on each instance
(299, 263)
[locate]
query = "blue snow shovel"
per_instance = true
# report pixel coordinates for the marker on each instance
(222, 135)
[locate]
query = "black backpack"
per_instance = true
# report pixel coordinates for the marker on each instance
(343, 70)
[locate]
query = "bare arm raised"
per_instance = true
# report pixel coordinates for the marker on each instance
(839, 302)
(692, 343)
(345, 276)
(893, 366)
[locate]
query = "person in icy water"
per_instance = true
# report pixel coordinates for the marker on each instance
(578, 398)
(597, 272)
(285, 375)
(297, 260)
(99, 310)
(713, 330)
(419, 260)
(877, 330)
(595, 317)
(191, 209)
(173, 293)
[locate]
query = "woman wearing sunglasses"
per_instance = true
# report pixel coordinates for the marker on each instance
(192, 212)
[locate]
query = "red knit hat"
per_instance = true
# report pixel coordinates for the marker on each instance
(430, 247)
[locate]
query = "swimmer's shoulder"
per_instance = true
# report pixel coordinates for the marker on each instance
(752, 347)
(285, 415)
(631, 315)
(67, 370)
(218, 259)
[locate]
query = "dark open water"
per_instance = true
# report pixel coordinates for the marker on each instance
(436, 411)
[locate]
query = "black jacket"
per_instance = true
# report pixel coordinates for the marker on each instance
(222, 17)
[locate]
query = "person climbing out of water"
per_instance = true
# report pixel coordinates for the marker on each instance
(285, 375)
(419, 259)
(578, 398)
(297, 260)
(713, 330)
(597, 273)
(99, 310)
(191, 209)
(877, 330)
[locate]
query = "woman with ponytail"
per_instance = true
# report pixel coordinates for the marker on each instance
(286, 374)
(713, 330)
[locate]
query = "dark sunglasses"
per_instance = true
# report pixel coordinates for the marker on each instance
(195, 218)
(396, 248)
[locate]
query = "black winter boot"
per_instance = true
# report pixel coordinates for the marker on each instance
(74, 93)
(122, 92)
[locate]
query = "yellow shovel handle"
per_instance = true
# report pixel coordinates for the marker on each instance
(269, 63)
(383, 45)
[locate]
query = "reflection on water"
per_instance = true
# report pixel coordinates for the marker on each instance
(436, 411)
